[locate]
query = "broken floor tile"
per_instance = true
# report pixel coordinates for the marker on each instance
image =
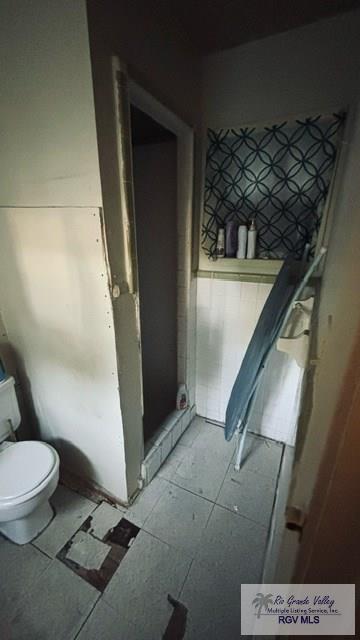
(139, 590)
(87, 551)
(104, 518)
(123, 534)
(86, 556)
(71, 509)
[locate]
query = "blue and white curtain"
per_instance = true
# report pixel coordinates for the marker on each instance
(278, 175)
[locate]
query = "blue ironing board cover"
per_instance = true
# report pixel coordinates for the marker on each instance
(265, 334)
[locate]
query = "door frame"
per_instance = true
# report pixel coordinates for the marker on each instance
(119, 224)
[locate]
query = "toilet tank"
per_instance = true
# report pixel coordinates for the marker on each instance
(9, 408)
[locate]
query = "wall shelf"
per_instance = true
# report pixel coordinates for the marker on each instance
(243, 270)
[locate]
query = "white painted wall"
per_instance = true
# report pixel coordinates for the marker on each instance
(57, 312)
(298, 72)
(53, 285)
(47, 119)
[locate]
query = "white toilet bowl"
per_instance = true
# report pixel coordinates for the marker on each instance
(29, 474)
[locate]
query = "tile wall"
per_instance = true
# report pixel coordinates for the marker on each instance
(227, 312)
(164, 441)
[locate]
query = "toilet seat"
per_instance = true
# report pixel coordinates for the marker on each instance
(24, 469)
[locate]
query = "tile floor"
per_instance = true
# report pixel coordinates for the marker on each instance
(203, 530)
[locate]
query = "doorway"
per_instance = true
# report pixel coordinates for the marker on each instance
(149, 270)
(154, 152)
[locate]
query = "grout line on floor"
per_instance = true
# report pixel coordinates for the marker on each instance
(41, 574)
(190, 554)
(238, 513)
(193, 493)
(190, 446)
(33, 544)
(168, 544)
(209, 516)
(128, 516)
(214, 502)
(87, 617)
(215, 423)
(269, 531)
(266, 438)
(186, 577)
(224, 478)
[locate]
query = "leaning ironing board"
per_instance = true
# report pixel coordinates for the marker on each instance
(292, 279)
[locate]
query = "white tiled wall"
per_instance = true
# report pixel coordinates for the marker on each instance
(164, 441)
(227, 312)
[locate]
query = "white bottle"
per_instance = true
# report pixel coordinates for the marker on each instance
(251, 241)
(242, 241)
(220, 244)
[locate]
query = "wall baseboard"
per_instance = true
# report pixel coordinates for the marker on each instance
(88, 489)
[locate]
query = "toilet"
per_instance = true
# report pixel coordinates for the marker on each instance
(29, 474)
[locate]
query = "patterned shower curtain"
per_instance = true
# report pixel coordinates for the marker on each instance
(278, 175)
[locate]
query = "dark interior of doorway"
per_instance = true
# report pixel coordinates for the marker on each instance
(155, 188)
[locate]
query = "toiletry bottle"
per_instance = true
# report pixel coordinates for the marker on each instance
(242, 241)
(182, 400)
(231, 239)
(220, 244)
(251, 241)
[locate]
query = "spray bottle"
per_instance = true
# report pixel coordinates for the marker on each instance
(251, 241)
